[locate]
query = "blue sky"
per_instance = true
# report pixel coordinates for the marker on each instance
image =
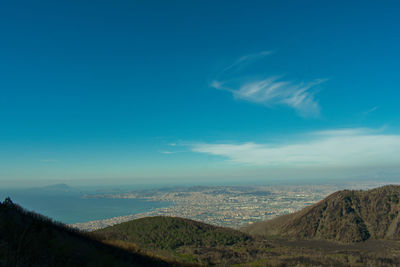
(189, 91)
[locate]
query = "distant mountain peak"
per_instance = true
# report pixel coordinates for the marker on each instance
(53, 188)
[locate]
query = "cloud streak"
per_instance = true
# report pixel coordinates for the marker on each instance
(270, 91)
(346, 148)
(373, 109)
(245, 60)
(168, 152)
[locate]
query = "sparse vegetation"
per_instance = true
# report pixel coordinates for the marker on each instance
(345, 216)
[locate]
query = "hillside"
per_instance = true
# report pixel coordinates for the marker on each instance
(29, 239)
(180, 239)
(172, 233)
(345, 216)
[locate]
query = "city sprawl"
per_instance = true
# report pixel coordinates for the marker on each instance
(229, 206)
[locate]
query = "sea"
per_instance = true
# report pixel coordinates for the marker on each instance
(69, 206)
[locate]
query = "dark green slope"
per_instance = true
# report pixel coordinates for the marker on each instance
(345, 216)
(29, 239)
(182, 240)
(172, 232)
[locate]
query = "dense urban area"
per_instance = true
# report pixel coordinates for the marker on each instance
(229, 206)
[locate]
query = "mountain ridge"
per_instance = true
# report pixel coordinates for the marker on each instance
(344, 216)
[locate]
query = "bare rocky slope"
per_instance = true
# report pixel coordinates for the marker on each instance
(345, 216)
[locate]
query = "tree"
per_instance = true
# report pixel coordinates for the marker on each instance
(8, 202)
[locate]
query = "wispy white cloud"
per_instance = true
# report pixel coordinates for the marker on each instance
(349, 147)
(270, 91)
(273, 91)
(244, 60)
(171, 149)
(371, 110)
(168, 152)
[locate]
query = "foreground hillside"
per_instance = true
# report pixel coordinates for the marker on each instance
(172, 233)
(29, 239)
(182, 239)
(345, 216)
